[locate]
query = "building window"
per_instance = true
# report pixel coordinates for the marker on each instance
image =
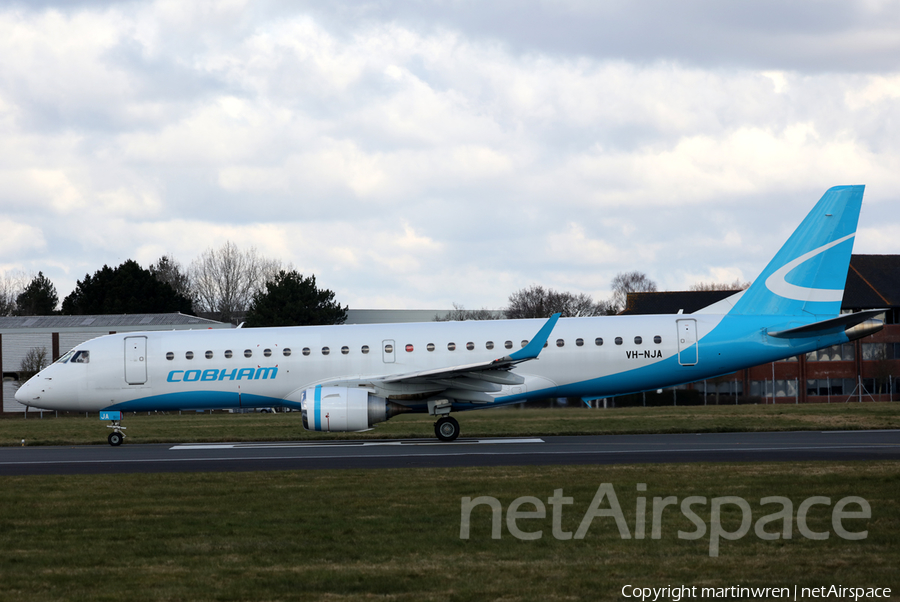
(877, 351)
(835, 353)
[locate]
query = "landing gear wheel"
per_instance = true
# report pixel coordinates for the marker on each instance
(446, 428)
(115, 438)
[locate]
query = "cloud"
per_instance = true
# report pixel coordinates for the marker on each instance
(415, 154)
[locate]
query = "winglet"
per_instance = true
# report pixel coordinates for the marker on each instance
(533, 348)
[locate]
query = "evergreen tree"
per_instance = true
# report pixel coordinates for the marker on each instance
(38, 299)
(127, 289)
(292, 300)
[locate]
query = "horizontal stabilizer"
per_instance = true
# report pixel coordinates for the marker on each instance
(847, 323)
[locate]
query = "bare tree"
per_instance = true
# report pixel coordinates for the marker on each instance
(224, 280)
(629, 282)
(12, 284)
(538, 302)
(167, 269)
(460, 314)
(35, 360)
(737, 285)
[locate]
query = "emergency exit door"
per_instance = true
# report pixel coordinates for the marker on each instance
(135, 360)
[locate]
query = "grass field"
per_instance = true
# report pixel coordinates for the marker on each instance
(75, 429)
(395, 534)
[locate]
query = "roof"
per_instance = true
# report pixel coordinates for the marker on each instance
(873, 282)
(106, 323)
(672, 302)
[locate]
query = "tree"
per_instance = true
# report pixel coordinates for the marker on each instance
(225, 281)
(35, 360)
(289, 299)
(629, 282)
(11, 286)
(38, 299)
(538, 302)
(460, 314)
(737, 285)
(168, 270)
(127, 289)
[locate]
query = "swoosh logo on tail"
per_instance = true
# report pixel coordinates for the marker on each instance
(781, 287)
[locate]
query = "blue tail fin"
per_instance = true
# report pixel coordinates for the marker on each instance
(808, 274)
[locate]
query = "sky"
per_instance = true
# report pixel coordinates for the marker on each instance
(418, 154)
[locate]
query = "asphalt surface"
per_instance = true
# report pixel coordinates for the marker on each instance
(611, 449)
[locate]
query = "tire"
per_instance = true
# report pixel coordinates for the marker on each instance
(115, 438)
(446, 428)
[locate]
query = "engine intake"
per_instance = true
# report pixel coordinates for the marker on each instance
(344, 409)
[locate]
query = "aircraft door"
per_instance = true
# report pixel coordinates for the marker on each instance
(135, 360)
(688, 352)
(387, 350)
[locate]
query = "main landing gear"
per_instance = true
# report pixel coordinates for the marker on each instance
(446, 428)
(117, 436)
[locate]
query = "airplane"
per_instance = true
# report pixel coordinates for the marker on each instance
(351, 377)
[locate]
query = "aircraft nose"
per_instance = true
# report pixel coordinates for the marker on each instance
(29, 392)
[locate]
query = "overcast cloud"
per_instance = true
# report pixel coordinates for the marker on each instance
(414, 154)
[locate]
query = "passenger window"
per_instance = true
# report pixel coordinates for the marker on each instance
(345, 350)
(189, 355)
(598, 341)
(81, 357)
(524, 343)
(657, 339)
(389, 349)
(489, 345)
(409, 348)
(638, 340)
(365, 349)
(325, 350)
(228, 354)
(248, 353)
(451, 346)
(209, 355)
(267, 352)
(430, 347)
(508, 344)
(305, 351)
(618, 340)
(470, 346)
(170, 356)
(560, 342)
(579, 342)
(287, 352)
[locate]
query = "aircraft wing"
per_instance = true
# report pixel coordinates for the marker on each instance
(465, 382)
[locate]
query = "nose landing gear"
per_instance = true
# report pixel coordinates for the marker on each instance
(117, 436)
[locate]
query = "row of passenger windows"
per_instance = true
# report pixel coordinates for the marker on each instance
(388, 348)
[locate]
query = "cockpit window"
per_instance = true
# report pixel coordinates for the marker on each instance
(66, 357)
(81, 357)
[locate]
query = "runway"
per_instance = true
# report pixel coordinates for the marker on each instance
(406, 453)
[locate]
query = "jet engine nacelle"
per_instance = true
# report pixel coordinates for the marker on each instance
(344, 409)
